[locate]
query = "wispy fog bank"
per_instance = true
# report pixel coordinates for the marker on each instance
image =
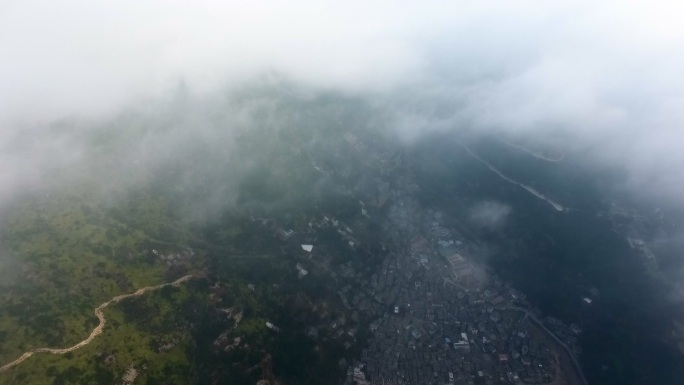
(603, 80)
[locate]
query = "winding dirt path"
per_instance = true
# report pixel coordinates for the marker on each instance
(99, 313)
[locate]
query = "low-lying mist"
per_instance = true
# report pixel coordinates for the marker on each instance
(80, 82)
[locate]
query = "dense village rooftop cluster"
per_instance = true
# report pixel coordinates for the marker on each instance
(442, 321)
(434, 313)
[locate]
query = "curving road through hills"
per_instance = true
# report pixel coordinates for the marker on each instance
(529, 189)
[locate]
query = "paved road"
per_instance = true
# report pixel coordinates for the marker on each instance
(555, 338)
(529, 189)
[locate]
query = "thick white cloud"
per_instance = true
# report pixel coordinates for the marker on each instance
(607, 75)
(78, 56)
(72, 54)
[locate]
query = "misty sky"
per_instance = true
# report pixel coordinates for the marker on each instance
(602, 79)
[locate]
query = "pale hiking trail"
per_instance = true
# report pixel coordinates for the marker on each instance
(99, 313)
